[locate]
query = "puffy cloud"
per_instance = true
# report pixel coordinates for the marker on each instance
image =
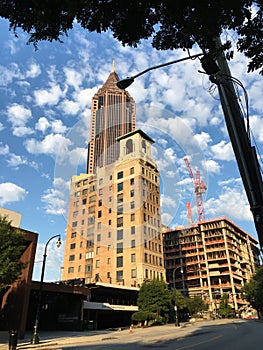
(48, 97)
(18, 116)
(10, 192)
(223, 151)
(1, 126)
(4, 149)
(55, 199)
(52, 144)
(73, 77)
(232, 202)
(33, 71)
(212, 166)
(42, 124)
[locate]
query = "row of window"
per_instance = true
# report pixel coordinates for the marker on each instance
(152, 259)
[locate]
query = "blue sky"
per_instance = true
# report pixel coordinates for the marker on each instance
(44, 129)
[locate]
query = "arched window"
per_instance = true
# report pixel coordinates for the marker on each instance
(129, 146)
(143, 146)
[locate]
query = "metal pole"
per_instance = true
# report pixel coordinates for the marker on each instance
(177, 323)
(35, 338)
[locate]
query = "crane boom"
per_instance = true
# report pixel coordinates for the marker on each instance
(199, 188)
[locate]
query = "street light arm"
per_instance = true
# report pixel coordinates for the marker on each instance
(124, 83)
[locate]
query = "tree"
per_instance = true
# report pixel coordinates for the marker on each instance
(253, 291)
(195, 305)
(12, 245)
(154, 297)
(170, 24)
(224, 308)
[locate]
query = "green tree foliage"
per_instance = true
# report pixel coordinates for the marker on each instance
(253, 291)
(195, 305)
(224, 308)
(180, 300)
(12, 245)
(142, 316)
(169, 24)
(154, 297)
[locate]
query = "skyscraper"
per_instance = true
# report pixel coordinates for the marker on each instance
(114, 221)
(112, 115)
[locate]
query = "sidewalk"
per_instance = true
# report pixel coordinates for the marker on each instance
(54, 340)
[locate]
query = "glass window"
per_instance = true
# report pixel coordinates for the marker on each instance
(131, 182)
(132, 170)
(73, 234)
(133, 258)
(97, 263)
(132, 205)
(129, 146)
(119, 262)
(73, 246)
(99, 237)
(119, 248)
(119, 209)
(120, 186)
(133, 230)
(132, 217)
(132, 193)
(119, 235)
(119, 276)
(120, 175)
(133, 243)
(74, 224)
(133, 273)
(71, 257)
(120, 198)
(120, 222)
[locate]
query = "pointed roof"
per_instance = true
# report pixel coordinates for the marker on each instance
(111, 83)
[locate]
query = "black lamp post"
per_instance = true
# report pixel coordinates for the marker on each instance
(35, 338)
(177, 324)
(124, 83)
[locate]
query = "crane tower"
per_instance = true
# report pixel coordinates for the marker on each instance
(199, 188)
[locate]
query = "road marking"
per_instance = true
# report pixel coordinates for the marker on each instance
(200, 343)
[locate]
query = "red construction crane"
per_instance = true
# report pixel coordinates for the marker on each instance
(200, 188)
(189, 213)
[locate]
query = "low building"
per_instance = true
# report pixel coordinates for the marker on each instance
(209, 259)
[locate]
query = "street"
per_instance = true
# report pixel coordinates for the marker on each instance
(235, 335)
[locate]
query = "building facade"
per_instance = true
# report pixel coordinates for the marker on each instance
(112, 115)
(114, 221)
(209, 259)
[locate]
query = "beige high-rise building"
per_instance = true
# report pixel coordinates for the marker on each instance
(114, 221)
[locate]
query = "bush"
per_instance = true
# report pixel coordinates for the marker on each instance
(142, 316)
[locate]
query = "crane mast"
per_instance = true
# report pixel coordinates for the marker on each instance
(199, 189)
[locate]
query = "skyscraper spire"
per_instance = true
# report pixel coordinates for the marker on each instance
(113, 66)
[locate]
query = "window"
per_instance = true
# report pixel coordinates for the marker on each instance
(132, 170)
(145, 257)
(88, 268)
(100, 202)
(132, 230)
(133, 273)
(71, 257)
(89, 255)
(119, 209)
(75, 214)
(146, 273)
(100, 191)
(108, 274)
(92, 199)
(84, 192)
(133, 243)
(100, 181)
(73, 246)
(98, 250)
(71, 270)
(85, 182)
(91, 220)
(143, 146)
(80, 256)
(91, 209)
(108, 261)
(120, 186)
(74, 224)
(120, 175)
(119, 276)
(132, 182)
(84, 201)
(132, 217)
(97, 263)
(119, 262)
(132, 204)
(119, 235)
(119, 248)
(129, 146)
(73, 234)
(98, 237)
(99, 214)
(133, 258)
(120, 222)
(120, 198)
(99, 225)
(132, 193)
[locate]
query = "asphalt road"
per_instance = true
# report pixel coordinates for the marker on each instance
(246, 335)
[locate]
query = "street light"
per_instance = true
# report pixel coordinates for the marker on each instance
(124, 83)
(35, 338)
(177, 324)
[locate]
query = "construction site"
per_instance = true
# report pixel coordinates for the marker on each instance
(209, 258)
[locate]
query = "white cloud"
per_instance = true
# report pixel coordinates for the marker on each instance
(55, 199)
(33, 71)
(212, 166)
(4, 149)
(73, 77)
(232, 202)
(10, 192)
(18, 116)
(48, 97)
(69, 107)
(52, 144)
(1, 126)
(203, 140)
(223, 151)
(58, 127)
(42, 124)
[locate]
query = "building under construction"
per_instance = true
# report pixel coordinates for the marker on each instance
(209, 259)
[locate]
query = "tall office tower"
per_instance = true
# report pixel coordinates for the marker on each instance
(114, 222)
(112, 115)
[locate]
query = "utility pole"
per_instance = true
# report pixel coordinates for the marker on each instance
(245, 153)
